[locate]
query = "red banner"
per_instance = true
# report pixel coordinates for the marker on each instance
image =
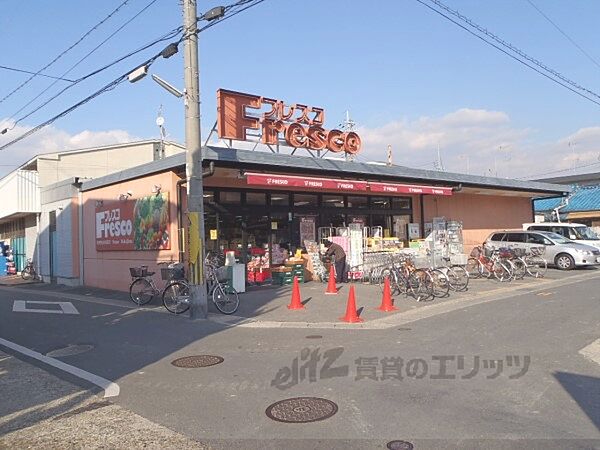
(141, 224)
(390, 188)
(261, 179)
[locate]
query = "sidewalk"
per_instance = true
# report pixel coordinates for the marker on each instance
(266, 306)
(40, 410)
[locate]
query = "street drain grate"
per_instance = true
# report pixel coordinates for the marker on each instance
(90, 407)
(301, 410)
(314, 336)
(404, 329)
(70, 350)
(192, 362)
(400, 445)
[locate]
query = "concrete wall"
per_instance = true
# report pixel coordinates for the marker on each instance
(480, 214)
(99, 162)
(110, 269)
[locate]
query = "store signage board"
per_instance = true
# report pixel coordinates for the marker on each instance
(300, 126)
(389, 188)
(262, 179)
(133, 224)
(259, 179)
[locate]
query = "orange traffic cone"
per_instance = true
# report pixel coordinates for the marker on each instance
(386, 300)
(296, 303)
(331, 286)
(351, 315)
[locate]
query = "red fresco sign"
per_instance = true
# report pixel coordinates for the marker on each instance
(141, 224)
(390, 188)
(304, 182)
(300, 125)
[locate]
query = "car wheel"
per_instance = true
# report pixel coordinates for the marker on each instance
(564, 262)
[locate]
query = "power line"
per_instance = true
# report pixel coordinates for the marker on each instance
(564, 34)
(509, 54)
(91, 30)
(171, 34)
(113, 84)
(87, 55)
(236, 8)
(13, 69)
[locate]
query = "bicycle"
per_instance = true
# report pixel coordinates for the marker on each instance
(176, 295)
(143, 289)
(535, 265)
(29, 271)
(457, 275)
(479, 265)
(405, 278)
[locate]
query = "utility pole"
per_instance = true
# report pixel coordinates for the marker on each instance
(193, 168)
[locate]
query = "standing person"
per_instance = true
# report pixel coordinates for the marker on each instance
(339, 258)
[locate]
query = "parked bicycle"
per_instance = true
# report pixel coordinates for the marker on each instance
(479, 265)
(29, 272)
(143, 289)
(176, 295)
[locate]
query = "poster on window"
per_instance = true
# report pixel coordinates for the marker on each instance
(140, 224)
(308, 229)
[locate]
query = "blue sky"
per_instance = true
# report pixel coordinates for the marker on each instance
(409, 77)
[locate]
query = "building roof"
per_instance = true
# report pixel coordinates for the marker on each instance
(278, 162)
(574, 178)
(583, 198)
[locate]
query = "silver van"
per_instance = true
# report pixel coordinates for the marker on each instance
(577, 232)
(559, 251)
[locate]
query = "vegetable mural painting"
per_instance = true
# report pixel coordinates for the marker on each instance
(141, 224)
(151, 223)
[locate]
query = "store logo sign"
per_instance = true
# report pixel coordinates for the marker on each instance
(109, 224)
(301, 126)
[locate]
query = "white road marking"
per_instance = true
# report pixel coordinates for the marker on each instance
(110, 389)
(592, 351)
(65, 307)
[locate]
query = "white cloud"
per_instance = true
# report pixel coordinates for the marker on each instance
(484, 141)
(51, 139)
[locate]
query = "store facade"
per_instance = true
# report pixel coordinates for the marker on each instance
(295, 188)
(265, 206)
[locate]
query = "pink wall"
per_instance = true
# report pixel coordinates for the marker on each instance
(110, 269)
(480, 214)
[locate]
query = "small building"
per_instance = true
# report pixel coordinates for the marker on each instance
(36, 202)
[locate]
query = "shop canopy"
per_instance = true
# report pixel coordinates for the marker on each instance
(265, 179)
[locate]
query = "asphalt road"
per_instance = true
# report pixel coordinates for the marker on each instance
(545, 395)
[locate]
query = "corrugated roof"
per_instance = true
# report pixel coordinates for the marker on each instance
(583, 198)
(277, 161)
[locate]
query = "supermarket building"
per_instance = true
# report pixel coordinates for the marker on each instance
(264, 204)
(256, 199)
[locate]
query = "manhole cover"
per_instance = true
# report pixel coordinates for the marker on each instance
(192, 362)
(400, 445)
(70, 350)
(314, 336)
(301, 410)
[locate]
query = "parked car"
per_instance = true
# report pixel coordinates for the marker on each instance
(559, 251)
(577, 232)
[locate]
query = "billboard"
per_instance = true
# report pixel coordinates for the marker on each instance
(134, 224)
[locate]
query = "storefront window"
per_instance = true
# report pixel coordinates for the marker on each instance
(278, 199)
(381, 202)
(305, 200)
(359, 201)
(228, 197)
(333, 220)
(256, 198)
(333, 201)
(400, 203)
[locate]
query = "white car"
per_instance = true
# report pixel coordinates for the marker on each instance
(573, 231)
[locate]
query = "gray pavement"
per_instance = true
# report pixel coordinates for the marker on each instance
(554, 404)
(40, 410)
